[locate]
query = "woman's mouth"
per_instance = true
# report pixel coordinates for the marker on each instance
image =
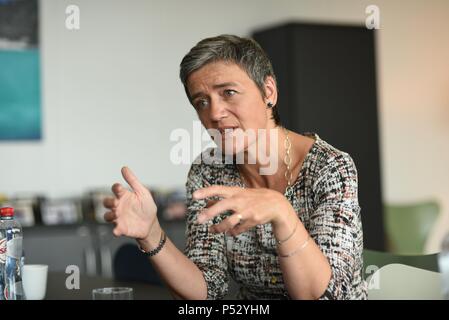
(227, 131)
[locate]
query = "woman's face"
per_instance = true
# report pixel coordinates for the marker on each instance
(225, 97)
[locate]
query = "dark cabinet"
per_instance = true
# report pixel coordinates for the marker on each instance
(327, 84)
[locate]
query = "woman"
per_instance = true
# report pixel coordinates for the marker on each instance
(294, 233)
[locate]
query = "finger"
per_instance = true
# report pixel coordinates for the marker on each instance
(216, 209)
(227, 224)
(132, 180)
(110, 203)
(117, 231)
(221, 191)
(240, 228)
(210, 203)
(110, 216)
(118, 190)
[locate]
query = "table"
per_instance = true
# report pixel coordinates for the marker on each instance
(57, 290)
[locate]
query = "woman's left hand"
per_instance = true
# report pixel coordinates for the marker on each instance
(251, 207)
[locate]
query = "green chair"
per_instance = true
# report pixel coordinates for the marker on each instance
(401, 282)
(408, 226)
(374, 260)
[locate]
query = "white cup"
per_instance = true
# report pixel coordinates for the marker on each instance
(34, 281)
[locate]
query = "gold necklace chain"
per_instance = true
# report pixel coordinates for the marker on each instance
(287, 161)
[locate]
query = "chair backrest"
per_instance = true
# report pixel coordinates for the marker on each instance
(70, 245)
(131, 265)
(121, 259)
(401, 282)
(408, 226)
(374, 260)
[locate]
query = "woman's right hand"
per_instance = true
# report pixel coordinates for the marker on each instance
(133, 212)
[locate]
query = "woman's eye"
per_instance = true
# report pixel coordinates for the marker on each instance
(201, 103)
(230, 92)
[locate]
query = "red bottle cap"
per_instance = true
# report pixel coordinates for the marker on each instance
(7, 212)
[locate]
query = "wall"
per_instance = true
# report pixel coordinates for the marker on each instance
(111, 94)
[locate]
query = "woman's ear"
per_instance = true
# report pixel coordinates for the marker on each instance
(271, 92)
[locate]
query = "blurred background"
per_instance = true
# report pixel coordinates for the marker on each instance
(78, 104)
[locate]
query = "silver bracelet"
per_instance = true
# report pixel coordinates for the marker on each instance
(297, 250)
(291, 235)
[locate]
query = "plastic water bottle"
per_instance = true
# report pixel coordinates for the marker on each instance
(443, 262)
(12, 272)
(2, 258)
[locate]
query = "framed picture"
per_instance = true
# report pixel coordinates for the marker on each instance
(61, 211)
(20, 88)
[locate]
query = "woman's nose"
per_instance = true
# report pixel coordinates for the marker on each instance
(217, 111)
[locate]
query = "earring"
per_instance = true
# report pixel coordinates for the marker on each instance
(270, 105)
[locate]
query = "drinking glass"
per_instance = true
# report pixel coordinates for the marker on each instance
(114, 293)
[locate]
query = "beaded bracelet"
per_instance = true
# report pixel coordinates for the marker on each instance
(158, 248)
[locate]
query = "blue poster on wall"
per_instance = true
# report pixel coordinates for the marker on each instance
(20, 90)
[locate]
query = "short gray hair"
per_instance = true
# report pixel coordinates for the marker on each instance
(244, 52)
